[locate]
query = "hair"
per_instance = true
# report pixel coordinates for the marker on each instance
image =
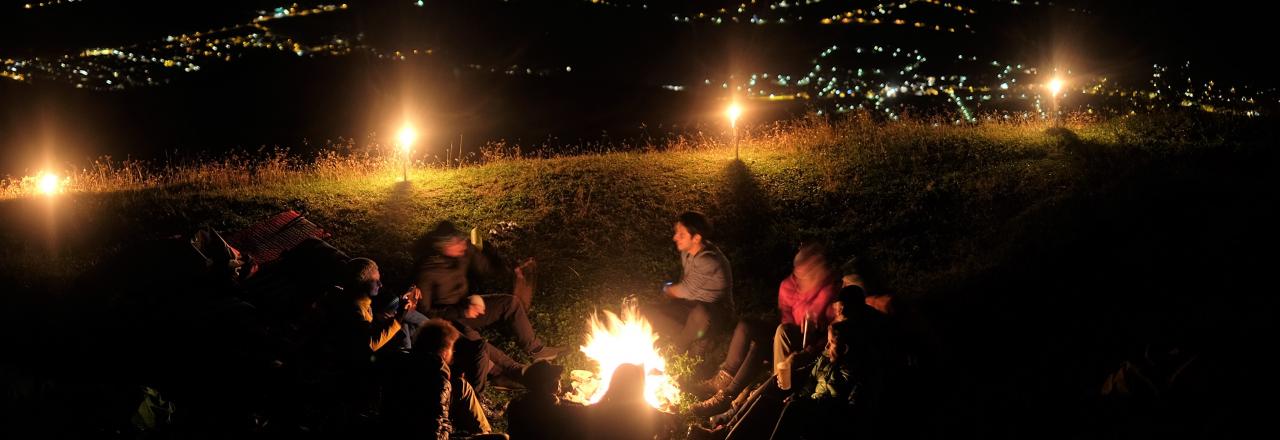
(842, 333)
(851, 295)
(443, 232)
(357, 273)
(543, 376)
(435, 336)
(813, 248)
(872, 280)
(696, 223)
(627, 384)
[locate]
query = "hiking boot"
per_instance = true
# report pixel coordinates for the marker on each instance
(546, 353)
(721, 419)
(702, 433)
(717, 403)
(712, 384)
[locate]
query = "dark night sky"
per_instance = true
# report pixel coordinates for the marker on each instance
(1224, 40)
(1142, 26)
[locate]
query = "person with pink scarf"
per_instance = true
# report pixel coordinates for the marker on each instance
(805, 295)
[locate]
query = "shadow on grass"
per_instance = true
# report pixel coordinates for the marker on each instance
(747, 233)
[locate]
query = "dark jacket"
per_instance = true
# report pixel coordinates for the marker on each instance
(443, 281)
(348, 329)
(543, 416)
(417, 400)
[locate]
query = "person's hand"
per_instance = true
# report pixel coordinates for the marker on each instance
(527, 264)
(666, 290)
(412, 297)
(476, 308)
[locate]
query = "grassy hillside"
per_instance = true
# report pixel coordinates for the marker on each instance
(1026, 260)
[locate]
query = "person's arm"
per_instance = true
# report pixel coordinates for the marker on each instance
(378, 331)
(703, 280)
(786, 291)
(821, 310)
(436, 416)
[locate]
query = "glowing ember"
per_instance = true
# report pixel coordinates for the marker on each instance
(627, 340)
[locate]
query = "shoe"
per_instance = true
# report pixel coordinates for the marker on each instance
(712, 384)
(723, 418)
(701, 433)
(546, 353)
(717, 403)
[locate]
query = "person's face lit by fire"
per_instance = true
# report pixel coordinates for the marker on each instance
(832, 351)
(837, 307)
(684, 241)
(447, 354)
(454, 248)
(372, 282)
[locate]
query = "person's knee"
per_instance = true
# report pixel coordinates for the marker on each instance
(502, 301)
(463, 389)
(784, 332)
(700, 314)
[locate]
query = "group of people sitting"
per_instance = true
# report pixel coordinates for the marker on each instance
(423, 352)
(423, 348)
(828, 348)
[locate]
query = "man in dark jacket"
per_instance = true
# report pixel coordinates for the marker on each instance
(424, 398)
(443, 271)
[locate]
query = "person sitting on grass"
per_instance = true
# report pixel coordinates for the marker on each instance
(539, 413)
(442, 275)
(842, 396)
(346, 333)
(843, 382)
(349, 311)
(424, 399)
(702, 297)
(806, 294)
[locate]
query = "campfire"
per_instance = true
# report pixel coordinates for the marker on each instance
(614, 341)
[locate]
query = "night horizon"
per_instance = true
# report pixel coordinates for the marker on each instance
(515, 81)
(605, 219)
